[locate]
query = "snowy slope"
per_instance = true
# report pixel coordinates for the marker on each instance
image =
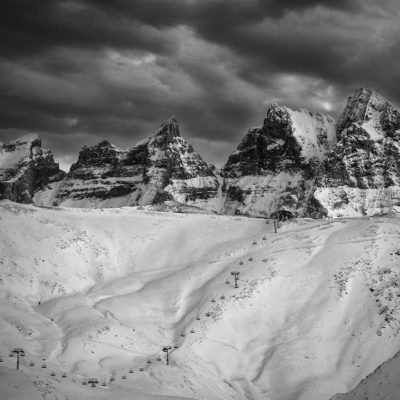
(315, 312)
(382, 384)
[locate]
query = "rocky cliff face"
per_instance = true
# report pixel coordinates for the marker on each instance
(275, 166)
(26, 168)
(163, 167)
(361, 175)
(297, 163)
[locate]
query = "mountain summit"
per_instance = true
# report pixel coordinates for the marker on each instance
(296, 163)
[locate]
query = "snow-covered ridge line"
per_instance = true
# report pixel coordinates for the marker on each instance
(295, 164)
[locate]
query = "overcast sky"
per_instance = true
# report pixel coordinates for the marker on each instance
(79, 71)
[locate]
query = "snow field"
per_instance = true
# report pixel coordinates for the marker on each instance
(315, 311)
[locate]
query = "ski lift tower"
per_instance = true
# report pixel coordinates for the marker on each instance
(19, 352)
(236, 277)
(166, 349)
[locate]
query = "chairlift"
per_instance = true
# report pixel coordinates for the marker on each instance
(53, 374)
(123, 376)
(130, 370)
(64, 375)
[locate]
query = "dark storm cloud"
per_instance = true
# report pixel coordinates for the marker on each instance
(28, 27)
(78, 71)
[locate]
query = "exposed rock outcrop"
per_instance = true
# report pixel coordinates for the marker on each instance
(26, 168)
(296, 164)
(163, 167)
(361, 175)
(275, 166)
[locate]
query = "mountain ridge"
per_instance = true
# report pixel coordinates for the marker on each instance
(297, 162)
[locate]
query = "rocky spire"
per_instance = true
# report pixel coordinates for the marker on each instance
(169, 128)
(363, 106)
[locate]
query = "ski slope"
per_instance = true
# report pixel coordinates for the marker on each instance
(99, 292)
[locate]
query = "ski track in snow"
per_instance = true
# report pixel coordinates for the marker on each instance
(315, 311)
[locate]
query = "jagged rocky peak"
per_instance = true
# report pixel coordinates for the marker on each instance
(26, 168)
(169, 129)
(161, 168)
(361, 175)
(372, 112)
(277, 121)
(98, 155)
(274, 166)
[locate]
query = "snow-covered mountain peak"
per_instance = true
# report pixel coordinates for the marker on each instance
(369, 110)
(25, 167)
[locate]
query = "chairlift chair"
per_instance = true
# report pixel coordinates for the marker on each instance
(11, 354)
(264, 238)
(123, 376)
(64, 375)
(208, 314)
(158, 358)
(197, 318)
(251, 259)
(254, 243)
(130, 370)
(175, 346)
(1, 359)
(112, 379)
(104, 384)
(222, 297)
(240, 262)
(148, 361)
(192, 331)
(84, 383)
(44, 366)
(31, 364)
(182, 335)
(53, 374)
(212, 300)
(227, 282)
(141, 369)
